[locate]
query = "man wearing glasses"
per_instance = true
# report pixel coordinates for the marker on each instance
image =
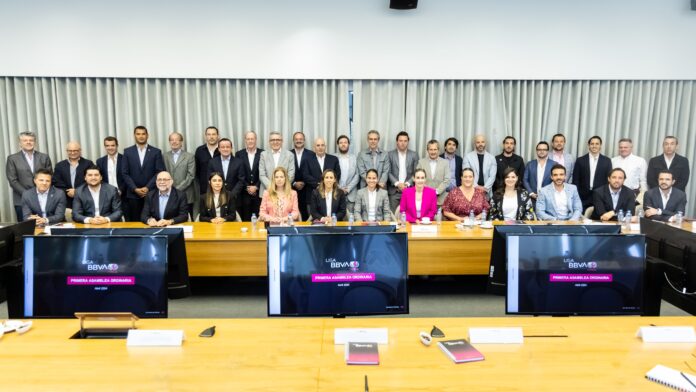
(274, 157)
(538, 172)
(165, 205)
(70, 173)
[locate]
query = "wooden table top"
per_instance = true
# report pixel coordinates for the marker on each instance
(599, 353)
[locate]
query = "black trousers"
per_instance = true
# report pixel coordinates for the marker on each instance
(247, 205)
(135, 208)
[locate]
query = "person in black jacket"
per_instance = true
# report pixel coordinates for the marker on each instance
(140, 173)
(678, 165)
(217, 205)
(320, 161)
(204, 153)
(229, 166)
(613, 197)
(591, 171)
(70, 173)
(328, 199)
(164, 206)
(249, 200)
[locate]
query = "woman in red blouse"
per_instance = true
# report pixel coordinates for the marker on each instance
(463, 199)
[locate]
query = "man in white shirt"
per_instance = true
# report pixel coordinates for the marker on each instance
(558, 200)
(402, 164)
(96, 203)
(302, 156)
(437, 171)
(250, 198)
(635, 167)
(664, 201)
(349, 171)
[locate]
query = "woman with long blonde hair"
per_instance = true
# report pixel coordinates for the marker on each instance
(279, 200)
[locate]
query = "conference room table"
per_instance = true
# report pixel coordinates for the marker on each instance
(234, 249)
(299, 354)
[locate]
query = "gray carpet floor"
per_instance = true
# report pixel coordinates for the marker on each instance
(437, 296)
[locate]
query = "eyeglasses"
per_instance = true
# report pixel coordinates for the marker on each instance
(542, 149)
(164, 179)
(276, 140)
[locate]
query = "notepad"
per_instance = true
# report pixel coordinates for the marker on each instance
(672, 378)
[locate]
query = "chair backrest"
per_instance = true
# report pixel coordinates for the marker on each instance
(588, 212)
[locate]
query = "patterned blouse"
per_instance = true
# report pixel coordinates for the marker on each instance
(525, 208)
(459, 205)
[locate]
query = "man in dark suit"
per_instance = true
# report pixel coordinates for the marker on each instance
(302, 156)
(70, 173)
(591, 171)
(21, 167)
(663, 203)
(110, 168)
(613, 197)
(43, 203)
(95, 202)
(538, 169)
(455, 162)
(316, 165)
(229, 166)
(249, 198)
(508, 158)
(669, 160)
(402, 165)
(141, 163)
(203, 155)
(165, 205)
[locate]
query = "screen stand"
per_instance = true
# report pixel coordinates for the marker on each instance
(111, 325)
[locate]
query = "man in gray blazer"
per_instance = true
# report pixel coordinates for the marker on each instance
(274, 157)
(96, 203)
(349, 171)
(182, 167)
(373, 158)
(559, 155)
(664, 201)
(437, 171)
(43, 203)
(21, 167)
(482, 163)
(558, 200)
(402, 164)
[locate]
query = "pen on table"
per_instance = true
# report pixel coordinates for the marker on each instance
(683, 375)
(367, 389)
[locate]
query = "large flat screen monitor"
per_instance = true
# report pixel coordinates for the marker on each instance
(575, 274)
(177, 274)
(68, 274)
(337, 274)
(496, 271)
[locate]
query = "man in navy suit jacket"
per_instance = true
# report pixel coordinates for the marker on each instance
(591, 171)
(654, 199)
(531, 173)
(175, 208)
(96, 203)
(43, 203)
(204, 153)
(678, 165)
(113, 175)
(298, 184)
(70, 173)
(249, 198)
(234, 175)
(141, 163)
(316, 165)
(613, 197)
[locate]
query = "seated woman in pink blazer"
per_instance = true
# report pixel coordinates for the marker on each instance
(419, 201)
(279, 200)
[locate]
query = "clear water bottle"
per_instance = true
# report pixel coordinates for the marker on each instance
(403, 219)
(620, 217)
(627, 220)
(472, 218)
(351, 219)
(254, 221)
(334, 220)
(484, 215)
(290, 222)
(641, 213)
(679, 218)
(438, 216)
